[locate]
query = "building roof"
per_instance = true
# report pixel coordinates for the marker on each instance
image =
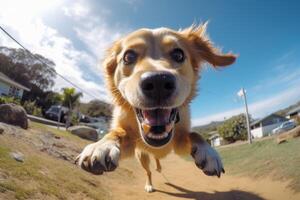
(9, 81)
(297, 109)
(262, 119)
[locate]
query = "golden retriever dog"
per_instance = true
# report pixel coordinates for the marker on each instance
(152, 75)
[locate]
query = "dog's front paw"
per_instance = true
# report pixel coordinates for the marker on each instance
(149, 188)
(207, 159)
(99, 157)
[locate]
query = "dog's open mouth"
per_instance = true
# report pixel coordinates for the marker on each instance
(157, 125)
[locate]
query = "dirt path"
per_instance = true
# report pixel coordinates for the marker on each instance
(182, 180)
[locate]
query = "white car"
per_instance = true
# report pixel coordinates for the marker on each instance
(286, 126)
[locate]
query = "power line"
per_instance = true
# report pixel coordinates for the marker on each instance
(48, 67)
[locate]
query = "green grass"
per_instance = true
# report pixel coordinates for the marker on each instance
(40, 174)
(265, 158)
(58, 181)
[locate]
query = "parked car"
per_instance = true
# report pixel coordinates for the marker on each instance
(54, 111)
(284, 127)
(85, 119)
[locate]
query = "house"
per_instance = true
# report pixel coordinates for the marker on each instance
(263, 127)
(9, 87)
(215, 139)
(293, 113)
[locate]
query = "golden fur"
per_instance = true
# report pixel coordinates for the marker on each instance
(122, 80)
(200, 50)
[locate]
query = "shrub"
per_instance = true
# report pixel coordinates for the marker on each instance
(37, 112)
(32, 109)
(6, 99)
(234, 128)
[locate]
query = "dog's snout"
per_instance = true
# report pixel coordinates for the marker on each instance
(158, 85)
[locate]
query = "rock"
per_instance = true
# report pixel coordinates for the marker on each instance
(84, 132)
(17, 156)
(1, 131)
(14, 115)
(59, 145)
(296, 132)
(280, 140)
(29, 123)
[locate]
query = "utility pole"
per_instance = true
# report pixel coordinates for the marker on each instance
(242, 93)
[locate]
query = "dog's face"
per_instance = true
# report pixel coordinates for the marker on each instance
(155, 72)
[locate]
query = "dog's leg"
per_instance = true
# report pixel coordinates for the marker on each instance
(144, 160)
(206, 158)
(158, 166)
(102, 155)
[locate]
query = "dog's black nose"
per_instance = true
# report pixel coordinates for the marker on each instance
(158, 85)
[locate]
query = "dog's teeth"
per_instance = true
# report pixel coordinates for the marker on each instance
(169, 127)
(158, 137)
(146, 128)
(165, 135)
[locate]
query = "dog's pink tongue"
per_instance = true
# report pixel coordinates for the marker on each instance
(157, 117)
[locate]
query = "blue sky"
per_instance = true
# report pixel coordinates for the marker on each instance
(265, 35)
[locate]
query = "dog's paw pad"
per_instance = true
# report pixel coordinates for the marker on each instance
(149, 188)
(207, 159)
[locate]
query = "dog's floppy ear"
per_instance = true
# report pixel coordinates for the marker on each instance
(202, 48)
(110, 64)
(110, 61)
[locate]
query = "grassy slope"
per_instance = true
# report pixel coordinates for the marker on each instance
(58, 132)
(265, 158)
(42, 175)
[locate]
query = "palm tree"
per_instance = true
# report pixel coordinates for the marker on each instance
(70, 99)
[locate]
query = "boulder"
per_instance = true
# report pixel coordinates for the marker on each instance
(13, 114)
(84, 132)
(280, 140)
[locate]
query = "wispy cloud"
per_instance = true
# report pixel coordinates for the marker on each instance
(27, 25)
(285, 71)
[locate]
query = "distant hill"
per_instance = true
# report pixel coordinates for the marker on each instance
(212, 126)
(284, 111)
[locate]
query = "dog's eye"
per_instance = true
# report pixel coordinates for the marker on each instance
(130, 57)
(177, 55)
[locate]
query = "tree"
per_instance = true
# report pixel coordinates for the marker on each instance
(20, 66)
(96, 108)
(234, 128)
(70, 98)
(38, 76)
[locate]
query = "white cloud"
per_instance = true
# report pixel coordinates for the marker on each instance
(94, 31)
(26, 24)
(77, 9)
(257, 109)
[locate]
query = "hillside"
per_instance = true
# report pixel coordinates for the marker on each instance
(283, 112)
(212, 126)
(207, 129)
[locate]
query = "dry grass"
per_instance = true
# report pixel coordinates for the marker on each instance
(42, 176)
